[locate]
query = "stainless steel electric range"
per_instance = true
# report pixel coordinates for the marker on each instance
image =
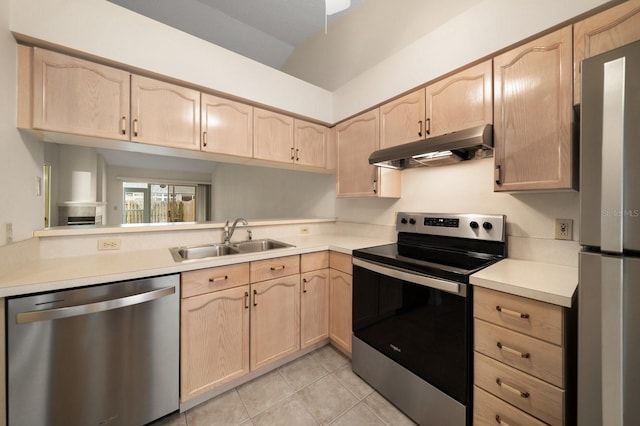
(412, 312)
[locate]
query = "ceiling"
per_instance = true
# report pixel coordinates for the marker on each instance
(289, 35)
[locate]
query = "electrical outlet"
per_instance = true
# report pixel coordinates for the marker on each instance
(109, 244)
(304, 230)
(564, 229)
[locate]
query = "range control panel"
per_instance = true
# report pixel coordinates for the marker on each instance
(475, 226)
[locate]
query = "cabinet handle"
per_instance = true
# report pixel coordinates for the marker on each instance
(496, 175)
(297, 154)
(216, 279)
(513, 351)
(420, 128)
(375, 186)
(512, 389)
(304, 285)
(292, 154)
(500, 421)
(204, 138)
(246, 300)
(510, 312)
(277, 268)
(428, 129)
(123, 125)
(255, 297)
(135, 127)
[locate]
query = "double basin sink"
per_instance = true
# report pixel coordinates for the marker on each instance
(181, 254)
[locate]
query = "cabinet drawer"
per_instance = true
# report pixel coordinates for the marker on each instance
(207, 280)
(538, 398)
(274, 268)
(491, 411)
(533, 356)
(538, 319)
(340, 261)
(314, 261)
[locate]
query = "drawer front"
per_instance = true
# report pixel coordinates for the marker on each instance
(207, 280)
(540, 399)
(491, 411)
(314, 261)
(268, 269)
(534, 318)
(341, 262)
(533, 356)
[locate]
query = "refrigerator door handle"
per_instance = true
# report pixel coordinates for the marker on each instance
(612, 340)
(612, 194)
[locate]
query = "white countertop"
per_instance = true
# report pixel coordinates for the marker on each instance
(67, 272)
(540, 281)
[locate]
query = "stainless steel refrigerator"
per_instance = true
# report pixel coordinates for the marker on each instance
(609, 289)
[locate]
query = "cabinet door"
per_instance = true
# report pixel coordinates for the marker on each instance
(275, 320)
(340, 310)
(310, 144)
(80, 97)
(164, 114)
(533, 115)
(461, 101)
(356, 139)
(227, 126)
(272, 136)
(214, 335)
(600, 33)
(314, 315)
(402, 120)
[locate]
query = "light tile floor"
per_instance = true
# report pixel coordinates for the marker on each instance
(316, 389)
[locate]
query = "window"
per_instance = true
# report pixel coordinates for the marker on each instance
(164, 202)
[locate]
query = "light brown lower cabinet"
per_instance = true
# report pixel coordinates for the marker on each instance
(491, 411)
(340, 310)
(314, 298)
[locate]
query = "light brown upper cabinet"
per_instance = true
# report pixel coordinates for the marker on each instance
(272, 136)
(310, 142)
(534, 115)
(164, 114)
(402, 120)
(74, 96)
(227, 126)
(605, 31)
(356, 139)
(461, 101)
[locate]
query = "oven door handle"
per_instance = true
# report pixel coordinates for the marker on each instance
(448, 286)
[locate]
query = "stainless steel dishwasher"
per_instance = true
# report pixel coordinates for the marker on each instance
(99, 355)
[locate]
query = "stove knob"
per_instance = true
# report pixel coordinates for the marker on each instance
(473, 224)
(412, 221)
(487, 226)
(403, 220)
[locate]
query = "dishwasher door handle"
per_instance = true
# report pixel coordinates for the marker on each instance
(91, 308)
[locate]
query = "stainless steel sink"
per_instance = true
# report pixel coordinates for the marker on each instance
(259, 245)
(181, 254)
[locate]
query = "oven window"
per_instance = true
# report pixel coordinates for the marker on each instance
(423, 329)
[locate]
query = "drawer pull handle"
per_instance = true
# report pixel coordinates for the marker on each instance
(513, 351)
(246, 300)
(510, 312)
(500, 421)
(511, 388)
(277, 268)
(217, 279)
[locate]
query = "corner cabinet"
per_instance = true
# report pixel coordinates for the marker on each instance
(356, 139)
(164, 114)
(227, 126)
(72, 95)
(272, 136)
(533, 115)
(310, 144)
(600, 33)
(314, 299)
(340, 301)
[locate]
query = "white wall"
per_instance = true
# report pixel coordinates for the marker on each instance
(110, 31)
(21, 157)
(265, 193)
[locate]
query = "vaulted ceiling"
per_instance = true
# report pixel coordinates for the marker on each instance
(289, 35)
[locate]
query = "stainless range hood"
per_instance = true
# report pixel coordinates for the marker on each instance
(437, 151)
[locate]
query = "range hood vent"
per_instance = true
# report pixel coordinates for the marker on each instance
(439, 150)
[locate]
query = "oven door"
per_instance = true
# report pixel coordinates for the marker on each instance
(422, 323)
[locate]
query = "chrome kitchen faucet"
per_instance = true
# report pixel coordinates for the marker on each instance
(228, 233)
